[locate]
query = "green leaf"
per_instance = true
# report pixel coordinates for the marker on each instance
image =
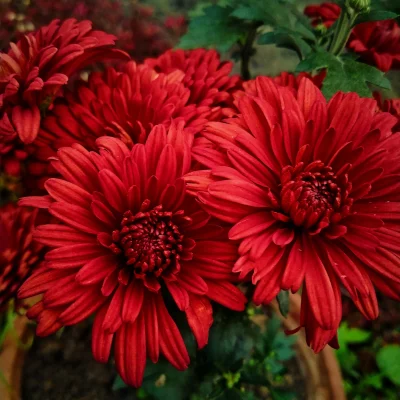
(118, 384)
(352, 335)
(216, 28)
(375, 15)
(256, 10)
(283, 302)
(199, 8)
(274, 366)
(281, 394)
(348, 359)
(162, 381)
(288, 39)
(283, 346)
(267, 38)
(230, 342)
(344, 74)
(277, 13)
(373, 380)
(388, 362)
(248, 13)
(230, 394)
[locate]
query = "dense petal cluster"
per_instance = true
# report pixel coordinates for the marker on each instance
(286, 79)
(205, 75)
(19, 254)
(129, 243)
(312, 191)
(124, 104)
(377, 42)
(34, 70)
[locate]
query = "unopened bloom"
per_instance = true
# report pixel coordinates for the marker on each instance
(312, 192)
(129, 242)
(19, 254)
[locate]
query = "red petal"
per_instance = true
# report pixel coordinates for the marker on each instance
(114, 190)
(26, 122)
(101, 340)
(133, 301)
(112, 320)
(199, 316)
(226, 294)
(179, 294)
(171, 342)
(151, 324)
(319, 288)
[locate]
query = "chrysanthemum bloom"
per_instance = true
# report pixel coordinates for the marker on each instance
(378, 43)
(325, 13)
(124, 104)
(206, 76)
(129, 241)
(19, 254)
(312, 190)
(34, 70)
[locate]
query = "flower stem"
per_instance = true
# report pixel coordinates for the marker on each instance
(246, 53)
(343, 29)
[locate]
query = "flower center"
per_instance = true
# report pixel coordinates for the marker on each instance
(312, 196)
(149, 241)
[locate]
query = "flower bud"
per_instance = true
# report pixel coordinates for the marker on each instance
(360, 6)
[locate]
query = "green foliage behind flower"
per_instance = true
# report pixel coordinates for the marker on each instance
(240, 363)
(235, 25)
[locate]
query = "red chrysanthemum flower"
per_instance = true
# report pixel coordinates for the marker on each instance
(312, 190)
(378, 43)
(325, 13)
(125, 104)
(129, 240)
(205, 75)
(19, 254)
(34, 70)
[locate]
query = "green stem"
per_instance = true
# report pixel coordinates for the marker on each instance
(343, 29)
(246, 53)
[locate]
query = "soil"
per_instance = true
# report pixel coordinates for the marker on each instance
(61, 367)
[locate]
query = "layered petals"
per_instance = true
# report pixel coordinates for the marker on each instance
(20, 256)
(316, 205)
(128, 241)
